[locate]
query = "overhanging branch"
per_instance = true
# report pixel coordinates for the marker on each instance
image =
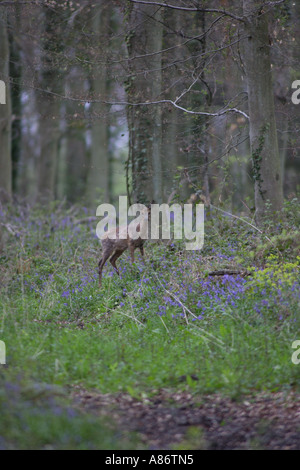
(194, 9)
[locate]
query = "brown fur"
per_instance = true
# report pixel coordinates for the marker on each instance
(112, 249)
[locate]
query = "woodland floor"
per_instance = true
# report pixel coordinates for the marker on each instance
(180, 421)
(189, 351)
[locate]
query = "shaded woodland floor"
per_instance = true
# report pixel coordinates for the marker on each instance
(193, 350)
(181, 421)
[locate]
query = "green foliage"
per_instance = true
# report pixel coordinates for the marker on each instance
(257, 157)
(37, 416)
(285, 246)
(145, 330)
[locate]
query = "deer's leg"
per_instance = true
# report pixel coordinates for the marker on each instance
(114, 258)
(102, 262)
(142, 253)
(131, 249)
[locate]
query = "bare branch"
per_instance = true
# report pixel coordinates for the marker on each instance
(145, 103)
(243, 220)
(202, 113)
(86, 220)
(20, 2)
(273, 4)
(212, 51)
(198, 37)
(204, 10)
(75, 14)
(226, 272)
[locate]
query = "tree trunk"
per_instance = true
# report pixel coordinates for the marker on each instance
(99, 169)
(171, 117)
(144, 85)
(15, 72)
(48, 107)
(263, 134)
(5, 112)
(72, 167)
(155, 44)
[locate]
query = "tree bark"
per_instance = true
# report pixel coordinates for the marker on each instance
(5, 112)
(263, 134)
(72, 167)
(98, 183)
(15, 72)
(48, 107)
(171, 117)
(144, 85)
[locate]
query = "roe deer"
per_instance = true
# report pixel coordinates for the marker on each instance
(112, 248)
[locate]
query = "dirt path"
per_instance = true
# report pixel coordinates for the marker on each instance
(178, 421)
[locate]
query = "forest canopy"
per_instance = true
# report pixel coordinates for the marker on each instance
(155, 100)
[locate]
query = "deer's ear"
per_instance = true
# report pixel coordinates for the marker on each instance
(149, 205)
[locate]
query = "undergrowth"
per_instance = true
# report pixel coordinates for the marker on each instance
(219, 320)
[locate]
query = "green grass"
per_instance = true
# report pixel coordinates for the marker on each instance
(35, 416)
(166, 325)
(231, 355)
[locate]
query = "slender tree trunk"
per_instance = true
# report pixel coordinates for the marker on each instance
(74, 152)
(15, 72)
(203, 144)
(26, 183)
(5, 111)
(144, 85)
(155, 44)
(99, 169)
(263, 134)
(171, 117)
(48, 107)
(29, 153)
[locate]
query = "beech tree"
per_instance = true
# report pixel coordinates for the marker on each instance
(98, 182)
(186, 87)
(252, 21)
(262, 123)
(144, 40)
(48, 106)
(5, 111)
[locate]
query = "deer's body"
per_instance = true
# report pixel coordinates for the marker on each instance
(112, 249)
